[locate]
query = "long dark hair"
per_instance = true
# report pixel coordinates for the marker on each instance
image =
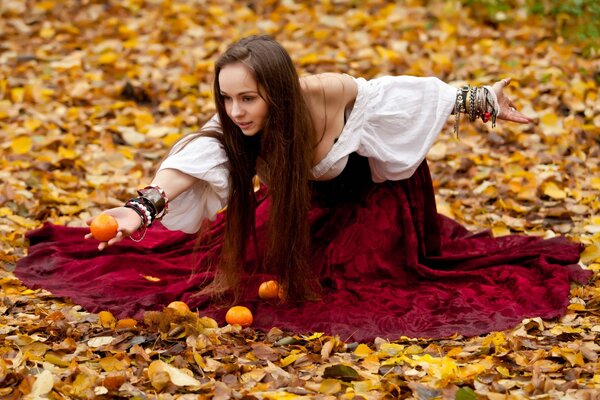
(285, 145)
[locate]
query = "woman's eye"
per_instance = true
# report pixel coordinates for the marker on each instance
(226, 98)
(248, 99)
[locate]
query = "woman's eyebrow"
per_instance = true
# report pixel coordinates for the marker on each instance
(242, 93)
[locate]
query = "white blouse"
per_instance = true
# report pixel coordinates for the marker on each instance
(394, 122)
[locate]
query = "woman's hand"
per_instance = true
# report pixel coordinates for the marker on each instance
(128, 220)
(508, 110)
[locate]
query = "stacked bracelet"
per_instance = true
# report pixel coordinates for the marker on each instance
(157, 199)
(152, 204)
(476, 102)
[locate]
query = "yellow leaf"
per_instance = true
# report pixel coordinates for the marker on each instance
(5, 108)
(27, 223)
(504, 371)
(500, 230)
(495, 339)
(21, 145)
(151, 278)
(365, 387)
(290, 359)
(17, 95)
(413, 349)
(448, 369)
(595, 183)
(311, 58)
(442, 60)
(143, 120)
(171, 138)
(591, 253)
(67, 154)
(32, 124)
(158, 369)
(47, 32)
(549, 119)
(330, 386)
(391, 349)
(44, 5)
(575, 359)
(83, 384)
(552, 190)
(56, 359)
(314, 336)
(199, 360)
(110, 364)
(127, 152)
(362, 350)
(576, 307)
(454, 351)
(106, 319)
(550, 123)
(207, 322)
(108, 58)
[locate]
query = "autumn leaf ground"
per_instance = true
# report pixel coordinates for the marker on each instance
(92, 94)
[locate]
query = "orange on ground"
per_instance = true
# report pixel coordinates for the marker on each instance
(126, 323)
(104, 227)
(268, 290)
(239, 315)
(180, 307)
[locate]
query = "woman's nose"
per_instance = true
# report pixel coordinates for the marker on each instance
(236, 109)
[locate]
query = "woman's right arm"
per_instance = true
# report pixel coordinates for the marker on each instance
(172, 181)
(195, 180)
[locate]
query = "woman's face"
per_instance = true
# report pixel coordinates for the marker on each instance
(243, 103)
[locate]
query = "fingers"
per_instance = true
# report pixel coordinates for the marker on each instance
(506, 81)
(119, 236)
(102, 245)
(516, 116)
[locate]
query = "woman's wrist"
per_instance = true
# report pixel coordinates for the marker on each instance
(476, 102)
(151, 204)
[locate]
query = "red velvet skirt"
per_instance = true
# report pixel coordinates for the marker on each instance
(388, 263)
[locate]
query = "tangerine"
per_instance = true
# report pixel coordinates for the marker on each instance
(268, 290)
(126, 323)
(180, 307)
(104, 227)
(239, 315)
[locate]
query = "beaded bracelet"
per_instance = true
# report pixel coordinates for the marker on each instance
(143, 225)
(152, 204)
(145, 214)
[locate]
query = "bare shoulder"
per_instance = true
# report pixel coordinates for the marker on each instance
(333, 87)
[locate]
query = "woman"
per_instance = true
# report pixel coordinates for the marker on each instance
(348, 215)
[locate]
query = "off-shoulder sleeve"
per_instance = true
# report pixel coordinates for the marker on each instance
(401, 118)
(205, 159)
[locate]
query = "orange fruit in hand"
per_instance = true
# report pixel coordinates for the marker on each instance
(239, 315)
(180, 307)
(104, 227)
(268, 290)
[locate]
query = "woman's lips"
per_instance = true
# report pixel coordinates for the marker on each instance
(245, 125)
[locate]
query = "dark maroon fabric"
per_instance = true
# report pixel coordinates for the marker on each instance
(389, 266)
